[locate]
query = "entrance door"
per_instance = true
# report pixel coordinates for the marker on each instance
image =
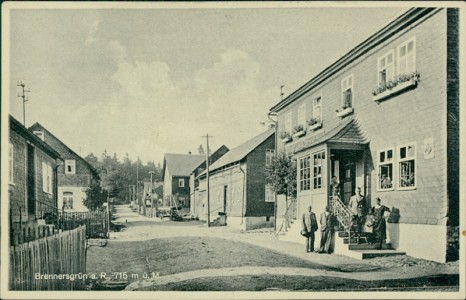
(31, 183)
(348, 184)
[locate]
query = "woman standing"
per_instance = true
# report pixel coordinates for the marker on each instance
(379, 225)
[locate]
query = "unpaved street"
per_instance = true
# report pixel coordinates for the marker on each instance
(174, 254)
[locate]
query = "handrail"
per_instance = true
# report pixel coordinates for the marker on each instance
(343, 213)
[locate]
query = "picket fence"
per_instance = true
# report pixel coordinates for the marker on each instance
(56, 262)
(96, 222)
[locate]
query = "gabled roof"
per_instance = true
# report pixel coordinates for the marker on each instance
(240, 152)
(212, 157)
(37, 126)
(181, 164)
(16, 126)
(407, 19)
(348, 131)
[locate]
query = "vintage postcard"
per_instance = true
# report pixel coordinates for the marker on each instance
(232, 150)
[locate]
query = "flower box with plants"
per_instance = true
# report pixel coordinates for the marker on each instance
(314, 124)
(400, 83)
(299, 131)
(345, 110)
(285, 136)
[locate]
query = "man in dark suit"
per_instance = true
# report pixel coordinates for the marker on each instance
(309, 227)
(327, 224)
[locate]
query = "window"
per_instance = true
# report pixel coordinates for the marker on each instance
(302, 114)
(12, 161)
(406, 57)
(70, 166)
(288, 122)
(318, 159)
(269, 155)
(180, 182)
(269, 193)
(39, 134)
(347, 92)
(406, 161)
(67, 200)
(385, 68)
(317, 108)
(305, 173)
(47, 177)
(385, 169)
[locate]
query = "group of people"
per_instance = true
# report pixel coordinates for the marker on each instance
(371, 221)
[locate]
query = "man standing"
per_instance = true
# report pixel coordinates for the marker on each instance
(327, 223)
(309, 226)
(357, 205)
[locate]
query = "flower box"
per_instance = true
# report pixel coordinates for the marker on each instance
(396, 89)
(344, 112)
(315, 126)
(299, 133)
(286, 140)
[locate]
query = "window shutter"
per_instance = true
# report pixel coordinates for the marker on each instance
(44, 176)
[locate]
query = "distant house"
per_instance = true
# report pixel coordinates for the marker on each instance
(74, 176)
(196, 205)
(32, 177)
(237, 185)
(176, 171)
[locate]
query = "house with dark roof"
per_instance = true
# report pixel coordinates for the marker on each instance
(176, 172)
(32, 178)
(74, 176)
(237, 187)
(196, 205)
(385, 118)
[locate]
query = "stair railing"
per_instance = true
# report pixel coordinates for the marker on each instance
(343, 213)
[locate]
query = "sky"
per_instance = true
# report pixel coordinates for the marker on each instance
(153, 81)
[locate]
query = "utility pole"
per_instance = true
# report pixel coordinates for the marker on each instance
(150, 193)
(23, 96)
(208, 181)
(137, 185)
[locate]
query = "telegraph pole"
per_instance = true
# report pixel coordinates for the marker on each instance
(207, 177)
(23, 96)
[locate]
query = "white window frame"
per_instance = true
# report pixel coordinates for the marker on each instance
(346, 85)
(47, 178)
(39, 134)
(269, 193)
(399, 60)
(385, 67)
(68, 196)
(180, 182)
(314, 166)
(11, 154)
(72, 163)
(288, 122)
(314, 115)
(302, 115)
(407, 158)
(305, 181)
(269, 156)
(392, 162)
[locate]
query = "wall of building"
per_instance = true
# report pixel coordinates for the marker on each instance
(412, 116)
(18, 190)
(256, 206)
(79, 195)
(167, 184)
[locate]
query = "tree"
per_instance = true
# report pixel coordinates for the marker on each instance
(95, 196)
(281, 173)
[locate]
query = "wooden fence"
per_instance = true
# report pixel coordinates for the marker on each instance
(56, 262)
(96, 222)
